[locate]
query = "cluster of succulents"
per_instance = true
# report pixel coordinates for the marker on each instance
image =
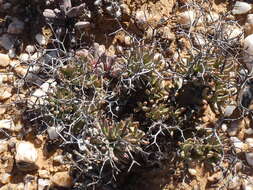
(139, 101)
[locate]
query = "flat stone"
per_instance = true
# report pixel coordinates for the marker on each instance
(7, 124)
(37, 97)
(26, 156)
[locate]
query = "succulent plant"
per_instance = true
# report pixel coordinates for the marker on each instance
(201, 149)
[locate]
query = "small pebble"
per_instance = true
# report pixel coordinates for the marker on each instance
(249, 157)
(229, 110)
(212, 17)
(98, 2)
(5, 178)
(49, 13)
(7, 166)
(83, 25)
(16, 27)
(248, 184)
(3, 146)
(5, 92)
(44, 173)
(234, 183)
(141, 18)
(187, 18)
(157, 57)
(127, 40)
(233, 129)
(249, 19)
(192, 171)
(12, 186)
(7, 41)
(248, 51)
(224, 127)
(249, 131)
(119, 49)
(43, 184)
(215, 177)
(125, 9)
(238, 144)
(4, 60)
(118, 13)
(248, 27)
(241, 8)
(62, 179)
(24, 57)
(76, 11)
(200, 40)
(238, 166)
(99, 49)
(59, 159)
(233, 32)
(41, 39)
(53, 132)
(249, 141)
(30, 49)
(12, 53)
(6, 6)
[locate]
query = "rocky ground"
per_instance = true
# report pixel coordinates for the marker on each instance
(204, 65)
